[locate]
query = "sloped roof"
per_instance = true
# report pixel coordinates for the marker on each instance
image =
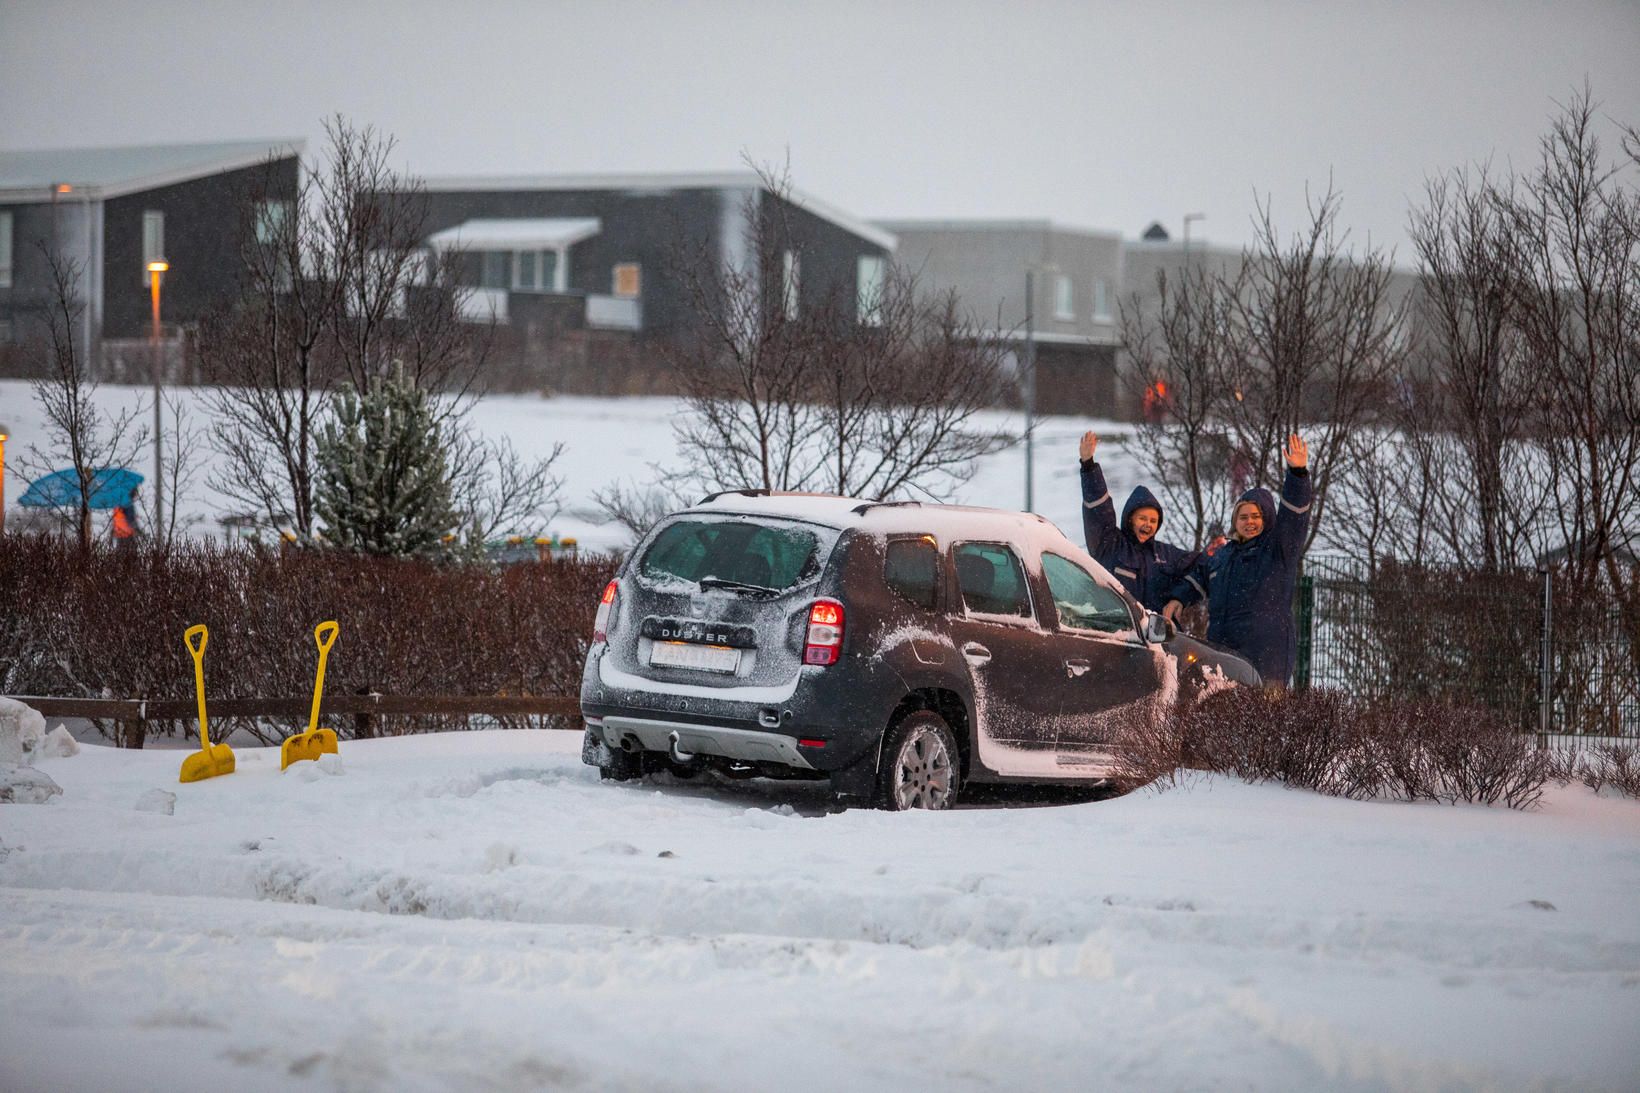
(31, 175)
(727, 180)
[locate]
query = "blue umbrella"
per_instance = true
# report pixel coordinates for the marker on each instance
(110, 488)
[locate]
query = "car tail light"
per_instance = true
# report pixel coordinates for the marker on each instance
(606, 605)
(824, 642)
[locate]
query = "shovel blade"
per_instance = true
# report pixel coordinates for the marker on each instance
(307, 745)
(207, 763)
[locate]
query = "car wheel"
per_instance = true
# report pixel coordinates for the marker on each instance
(920, 767)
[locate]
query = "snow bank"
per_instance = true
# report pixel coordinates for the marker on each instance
(22, 730)
(477, 910)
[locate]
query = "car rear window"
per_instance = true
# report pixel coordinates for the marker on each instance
(766, 555)
(991, 579)
(911, 569)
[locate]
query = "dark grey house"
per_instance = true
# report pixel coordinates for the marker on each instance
(578, 268)
(109, 212)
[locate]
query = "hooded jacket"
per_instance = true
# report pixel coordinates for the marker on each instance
(1249, 585)
(1147, 570)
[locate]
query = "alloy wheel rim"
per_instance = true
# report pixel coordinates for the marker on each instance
(922, 772)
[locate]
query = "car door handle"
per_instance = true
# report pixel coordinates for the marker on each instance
(1074, 668)
(976, 653)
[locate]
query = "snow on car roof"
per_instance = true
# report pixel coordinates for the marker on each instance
(945, 522)
(1030, 533)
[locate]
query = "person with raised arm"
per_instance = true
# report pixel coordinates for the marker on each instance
(1147, 567)
(1249, 582)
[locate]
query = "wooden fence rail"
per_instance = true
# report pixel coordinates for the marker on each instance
(363, 708)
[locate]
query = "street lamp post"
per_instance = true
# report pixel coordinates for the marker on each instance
(156, 271)
(1030, 389)
(1188, 217)
(3, 434)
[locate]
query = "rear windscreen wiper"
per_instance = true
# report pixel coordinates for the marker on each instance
(738, 586)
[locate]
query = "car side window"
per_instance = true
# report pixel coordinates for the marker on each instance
(992, 580)
(1081, 601)
(911, 569)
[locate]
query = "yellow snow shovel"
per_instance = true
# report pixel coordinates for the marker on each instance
(316, 741)
(211, 759)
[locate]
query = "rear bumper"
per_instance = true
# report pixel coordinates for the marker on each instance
(742, 745)
(835, 706)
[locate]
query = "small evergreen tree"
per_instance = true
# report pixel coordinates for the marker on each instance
(384, 477)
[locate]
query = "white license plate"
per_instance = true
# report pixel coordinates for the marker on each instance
(684, 654)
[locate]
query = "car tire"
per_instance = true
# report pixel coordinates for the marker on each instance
(920, 765)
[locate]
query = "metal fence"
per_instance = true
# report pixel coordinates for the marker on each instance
(1519, 642)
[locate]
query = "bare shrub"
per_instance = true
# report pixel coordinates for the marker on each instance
(1614, 765)
(109, 624)
(1341, 747)
(1154, 751)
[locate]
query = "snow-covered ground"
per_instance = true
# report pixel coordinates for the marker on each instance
(608, 440)
(476, 911)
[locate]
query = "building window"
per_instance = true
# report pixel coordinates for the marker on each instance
(272, 218)
(1064, 298)
(1101, 300)
(628, 280)
(495, 269)
(153, 242)
(535, 271)
(790, 272)
(5, 250)
(870, 272)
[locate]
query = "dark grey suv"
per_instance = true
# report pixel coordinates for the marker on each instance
(900, 650)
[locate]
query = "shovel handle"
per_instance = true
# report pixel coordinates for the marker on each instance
(197, 650)
(324, 636)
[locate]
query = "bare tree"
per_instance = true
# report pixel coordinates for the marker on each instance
(1575, 232)
(1484, 383)
(799, 392)
(79, 434)
(638, 507)
(265, 354)
(339, 287)
(1318, 340)
(1466, 488)
(497, 490)
(1301, 335)
(1179, 356)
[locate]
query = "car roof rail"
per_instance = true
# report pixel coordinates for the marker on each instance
(709, 498)
(861, 510)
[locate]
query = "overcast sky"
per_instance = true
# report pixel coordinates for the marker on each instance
(1101, 115)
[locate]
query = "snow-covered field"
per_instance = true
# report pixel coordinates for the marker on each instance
(476, 911)
(610, 440)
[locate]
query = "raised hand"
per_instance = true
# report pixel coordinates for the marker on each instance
(1090, 443)
(1297, 453)
(1171, 611)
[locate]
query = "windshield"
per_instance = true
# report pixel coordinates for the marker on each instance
(1084, 603)
(733, 553)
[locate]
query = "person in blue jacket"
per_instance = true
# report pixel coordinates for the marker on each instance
(1249, 581)
(1147, 567)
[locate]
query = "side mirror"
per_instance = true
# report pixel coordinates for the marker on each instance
(1159, 630)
